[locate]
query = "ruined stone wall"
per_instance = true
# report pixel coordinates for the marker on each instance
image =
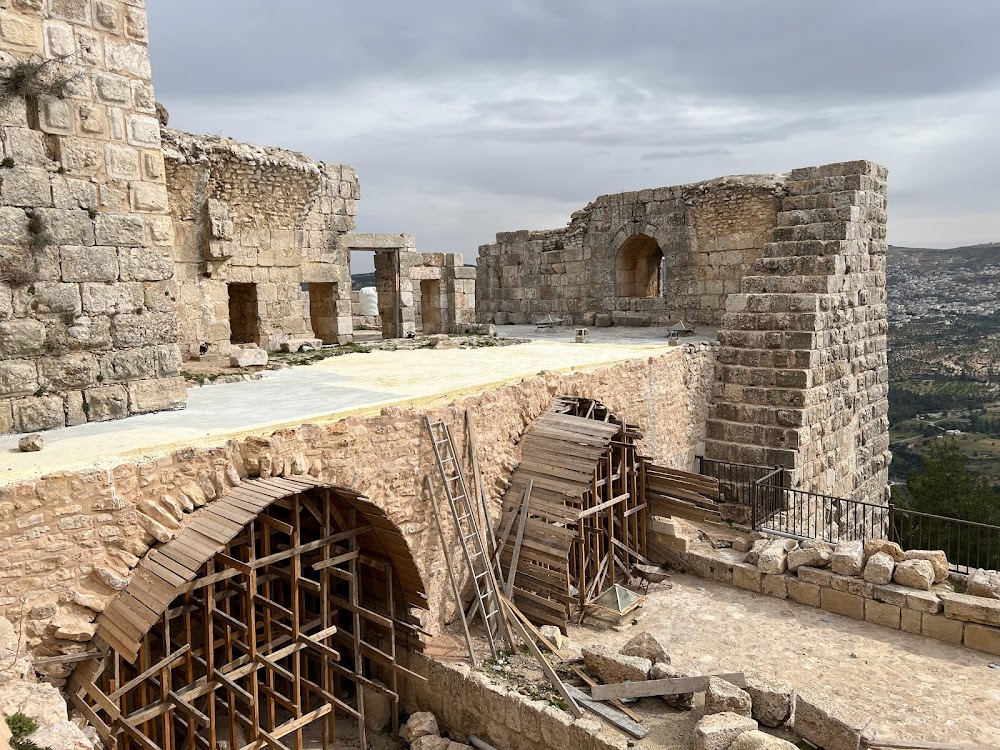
(803, 376)
(69, 540)
(261, 216)
(88, 330)
(450, 305)
(710, 234)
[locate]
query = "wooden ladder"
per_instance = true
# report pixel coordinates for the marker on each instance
(487, 601)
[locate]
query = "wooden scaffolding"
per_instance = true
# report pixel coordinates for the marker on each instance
(267, 618)
(585, 521)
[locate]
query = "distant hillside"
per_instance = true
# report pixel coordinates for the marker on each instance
(967, 256)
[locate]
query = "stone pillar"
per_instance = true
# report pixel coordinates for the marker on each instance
(802, 379)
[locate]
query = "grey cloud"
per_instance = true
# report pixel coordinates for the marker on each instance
(684, 154)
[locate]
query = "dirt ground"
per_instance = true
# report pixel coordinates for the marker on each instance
(915, 688)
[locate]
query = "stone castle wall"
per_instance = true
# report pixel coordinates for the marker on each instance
(449, 306)
(88, 330)
(69, 540)
(253, 215)
(709, 234)
(803, 376)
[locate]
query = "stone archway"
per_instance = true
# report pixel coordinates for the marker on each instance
(638, 267)
(268, 616)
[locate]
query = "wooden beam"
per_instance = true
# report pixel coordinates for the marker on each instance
(669, 686)
(508, 587)
(609, 714)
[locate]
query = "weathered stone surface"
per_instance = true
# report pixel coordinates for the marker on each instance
(718, 731)
(772, 697)
(982, 638)
(662, 671)
(971, 609)
(757, 740)
(645, 646)
(848, 558)
(873, 546)
(879, 568)
(936, 557)
(723, 696)
(830, 725)
(62, 735)
(431, 742)
(753, 556)
(610, 667)
(420, 724)
(773, 558)
(41, 701)
(248, 357)
(984, 583)
(814, 553)
(916, 574)
(378, 709)
(31, 443)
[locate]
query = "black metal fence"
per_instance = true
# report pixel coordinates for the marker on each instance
(780, 510)
(736, 480)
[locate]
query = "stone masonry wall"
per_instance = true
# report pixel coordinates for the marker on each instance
(803, 375)
(69, 540)
(87, 324)
(710, 234)
(453, 308)
(260, 216)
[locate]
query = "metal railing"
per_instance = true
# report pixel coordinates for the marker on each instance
(736, 480)
(969, 545)
(779, 510)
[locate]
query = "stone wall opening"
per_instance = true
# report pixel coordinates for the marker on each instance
(430, 306)
(323, 311)
(638, 268)
(244, 318)
(276, 614)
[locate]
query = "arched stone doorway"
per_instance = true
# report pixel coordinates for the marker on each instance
(263, 623)
(638, 267)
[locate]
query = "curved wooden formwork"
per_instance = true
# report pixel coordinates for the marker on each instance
(269, 615)
(586, 519)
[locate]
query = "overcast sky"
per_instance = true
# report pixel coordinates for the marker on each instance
(469, 117)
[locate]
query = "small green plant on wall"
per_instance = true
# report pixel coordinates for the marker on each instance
(35, 77)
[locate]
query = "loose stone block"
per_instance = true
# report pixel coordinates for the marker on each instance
(814, 553)
(830, 725)
(848, 558)
(610, 667)
(646, 646)
(717, 731)
(937, 558)
(971, 609)
(771, 697)
(879, 568)
(842, 603)
(941, 628)
(803, 593)
(887, 615)
(982, 638)
(723, 696)
(917, 574)
(248, 357)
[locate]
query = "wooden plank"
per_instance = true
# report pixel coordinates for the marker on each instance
(518, 541)
(586, 678)
(669, 686)
(878, 744)
(609, 714)
(683, 510)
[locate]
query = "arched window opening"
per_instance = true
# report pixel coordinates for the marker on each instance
(637, 268)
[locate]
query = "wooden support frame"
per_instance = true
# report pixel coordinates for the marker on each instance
(248, 647)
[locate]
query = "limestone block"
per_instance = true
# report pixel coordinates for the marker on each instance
(131, 331)
(156, 395)
(645, 646)
(803, 593)
(295, 344)
(772, 697)
(75, 370)
(941, 628)
(431, 742)
(61, 735)
(610, 667)
(879, 568)
(887, 615)
(39, 700)
(144, 264)
(18, 378)
(909, 621)
(89, 264)
(143, 130)
(72, 193)
(38, 413)
(57, 298)
(982, 638)
(420, 724)
(873, 546)
(248, 357)
(149, 197)
(753, 555)
(816, 576)
(842, 603)
(812, 552)
(828, 724)
(723, 696)
(747, 577)
(128, 364)
(776, 586)
(971, 609)
(25, 186)
(111, 299)
(122, 162)
(848, 558)
(936, 557)
(773, 558)
(662, 671)
(917, 574)
(923, 601)
(984, 583)
(757, 740)
(120, 230)
(718, 731)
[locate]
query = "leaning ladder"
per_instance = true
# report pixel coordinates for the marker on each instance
(487, 602)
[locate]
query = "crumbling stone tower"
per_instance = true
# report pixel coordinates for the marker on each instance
(802, 380)
(88, 329)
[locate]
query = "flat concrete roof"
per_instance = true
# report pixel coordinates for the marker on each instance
(354, 384)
